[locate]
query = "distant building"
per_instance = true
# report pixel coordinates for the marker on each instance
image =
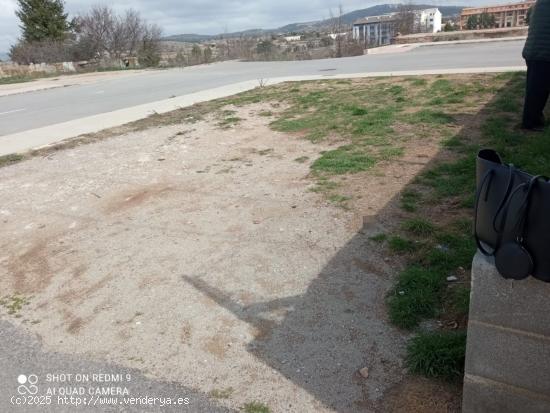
(427, 21)
(376, 31)
(293, 38)
(335, 36)
(505, 15)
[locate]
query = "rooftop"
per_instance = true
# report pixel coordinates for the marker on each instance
(504, 5)
(377, 19)
(391, 16)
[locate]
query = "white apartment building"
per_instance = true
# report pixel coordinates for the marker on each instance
(427, 21)
(376, 31)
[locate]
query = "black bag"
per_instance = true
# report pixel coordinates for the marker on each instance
(512, 218)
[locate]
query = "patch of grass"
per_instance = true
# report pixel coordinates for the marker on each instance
(453, 142)
(302, 159)
(396, 90)
(401, 245)
(452, 250)
(410, 199)
(324, 185)
(222, 393)
(451, 179)
(256, 407)
(358, 111)
(418, 81)
(312, 98)
(290, 124)
(459, 300)
(430, 116)
(376, 122)
(389, 153)
(438, 354)
(415, 296)
(10, 159)
(442, 86)
(338, 199)
(419, 227)
(507, 104)
(229, 121)
(379, 238)
(420, 288)
(266, 113)
(346, 159)
(16, 79)
(14, 303)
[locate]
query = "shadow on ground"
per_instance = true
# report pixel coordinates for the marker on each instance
(308, 352)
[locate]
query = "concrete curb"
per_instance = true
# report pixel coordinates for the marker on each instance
(48, 135)
(447, 42)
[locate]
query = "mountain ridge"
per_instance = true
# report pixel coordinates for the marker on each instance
(347, 18)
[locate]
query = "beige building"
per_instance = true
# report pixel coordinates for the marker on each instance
(506, 15)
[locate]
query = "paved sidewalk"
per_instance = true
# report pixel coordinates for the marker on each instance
(401, 48)
(48, 135)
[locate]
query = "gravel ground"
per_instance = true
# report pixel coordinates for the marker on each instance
(196, 255)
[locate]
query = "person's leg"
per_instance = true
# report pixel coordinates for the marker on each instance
(536, 94)
(545, 85)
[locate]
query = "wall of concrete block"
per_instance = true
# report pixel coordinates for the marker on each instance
(508, 350)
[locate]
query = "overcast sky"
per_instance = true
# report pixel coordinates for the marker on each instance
(214, 16)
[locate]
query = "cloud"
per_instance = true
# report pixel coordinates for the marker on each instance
(213, 16)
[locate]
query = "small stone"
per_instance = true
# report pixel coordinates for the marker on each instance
(452, 278)
(161, 159)
(401, 293)
(256, 222)
(364, 372)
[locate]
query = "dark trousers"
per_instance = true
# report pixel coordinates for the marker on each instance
(536, 94)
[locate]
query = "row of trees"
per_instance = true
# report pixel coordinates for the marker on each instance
(49, 36)
(482, 21)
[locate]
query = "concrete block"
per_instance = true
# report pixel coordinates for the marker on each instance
(522, 305)
(484, 396)
(508, 349)
(508, 356)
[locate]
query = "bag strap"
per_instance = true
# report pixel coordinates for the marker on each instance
(521, 223)
(488, 177)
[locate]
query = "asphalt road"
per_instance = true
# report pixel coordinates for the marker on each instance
(42, 108)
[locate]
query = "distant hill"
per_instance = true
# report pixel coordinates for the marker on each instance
(347, 18)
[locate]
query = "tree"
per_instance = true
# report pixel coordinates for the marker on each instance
(449, 27)
(196, 54)
(106, 32)
(264, 48)
(149, 53)
(486, 21)
(472, 22)
(405, 19)
(207, 54)
(337, 29)
(43, 20)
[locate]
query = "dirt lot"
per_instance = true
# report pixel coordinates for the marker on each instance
(197, 254)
